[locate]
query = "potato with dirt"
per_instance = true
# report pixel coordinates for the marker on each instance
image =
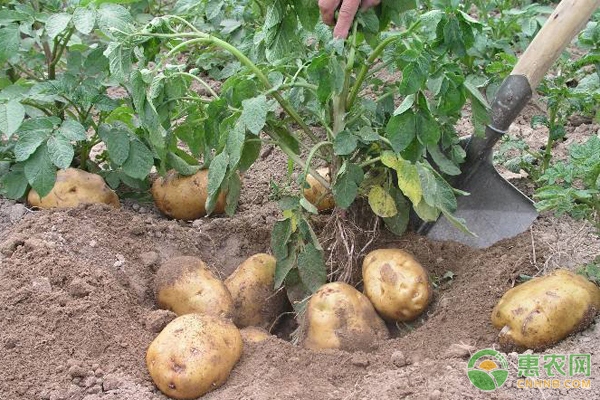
(185, 285)
(340, 317)
(252, 334)
(396, 284)
(73, 187)
(184, 197)
(255, 302)
(317, 194)
(193, 355)
(545, 310)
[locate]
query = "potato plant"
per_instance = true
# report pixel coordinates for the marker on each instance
(306, 93)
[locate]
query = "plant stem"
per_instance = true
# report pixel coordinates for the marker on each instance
(201, 82)
(39, 107)
(312, 154)
(374, 55)
(295, 158)
(59, 48)
(369, 162)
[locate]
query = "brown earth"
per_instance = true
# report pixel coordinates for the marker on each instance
(77, 311)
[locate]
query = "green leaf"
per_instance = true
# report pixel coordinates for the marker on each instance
(426, 212)
(254, 113)
(113, 17)
(56, 24)
(381, 202)
(280, 235)
(13, 184)
(345, 189)
(428, 129)
(445, 164)
(117, 143)
(436, 191)
(40, 172)
(84, 19)
(180, 165)
(399, 222)
(120, 61)
(139, 162)
(216, 175)
(10, 41)
(283, 268)
(234, 189)
(28, 143)
(235, 144)
(61, 151)
(250, 153)
(406, 104)
(344, 143)
(12, 114)
(401, 130)
(311, 267)
(308, 206)
(72, 130)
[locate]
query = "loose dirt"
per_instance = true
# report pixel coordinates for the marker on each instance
(77, 311)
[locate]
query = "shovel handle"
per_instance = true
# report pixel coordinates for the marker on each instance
(565, 22)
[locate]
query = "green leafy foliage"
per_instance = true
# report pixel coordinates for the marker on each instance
(572, 186)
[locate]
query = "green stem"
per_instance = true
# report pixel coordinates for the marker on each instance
(374, 56)
(201, 82)
(295, 158)
(24, 71)
(39, 107)
(57, 54)
(548, 151)
(293, 85)
(312, 153)
(200, 99)
(369, 162)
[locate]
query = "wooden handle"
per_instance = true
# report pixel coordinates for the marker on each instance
(565, 22)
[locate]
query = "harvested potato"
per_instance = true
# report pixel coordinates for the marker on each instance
(185, 285)
(340, 317)
(317, 194)
(252, 334)
(73, 187)
(193, 355)
(184, 197)
(544, 310)
(396, 284)
(255, 302)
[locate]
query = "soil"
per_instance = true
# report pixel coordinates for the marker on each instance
(77, 311)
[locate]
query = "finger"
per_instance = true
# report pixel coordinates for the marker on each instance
(328, 8)
(345, 18)
(366, 4)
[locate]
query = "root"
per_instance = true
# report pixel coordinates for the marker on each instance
(346, 237)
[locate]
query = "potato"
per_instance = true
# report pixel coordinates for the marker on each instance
(193, 355)
(255, 302)
(545, 310)
(340, 317)
(253, 334)
(317, 194)
(396, 284)
(184, 197)
(73, 187)
(185, 285)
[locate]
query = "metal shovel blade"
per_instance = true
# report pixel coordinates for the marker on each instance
(494, 210)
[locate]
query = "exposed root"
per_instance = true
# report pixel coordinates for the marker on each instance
(346, 237)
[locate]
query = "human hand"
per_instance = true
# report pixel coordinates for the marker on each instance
(346, 16)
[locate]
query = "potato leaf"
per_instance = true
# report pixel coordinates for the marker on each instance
(311, 267)
(381, 202)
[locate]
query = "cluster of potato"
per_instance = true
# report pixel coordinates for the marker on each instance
(196, 352)
(396, 288)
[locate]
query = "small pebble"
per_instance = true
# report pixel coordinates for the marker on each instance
(436, 394)
(93, 243)
(399, 359)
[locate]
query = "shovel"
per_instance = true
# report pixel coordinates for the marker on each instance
(495, 209)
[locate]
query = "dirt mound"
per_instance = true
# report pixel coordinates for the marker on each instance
(78, 311)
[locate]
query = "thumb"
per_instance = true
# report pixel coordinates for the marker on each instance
(345, 18)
